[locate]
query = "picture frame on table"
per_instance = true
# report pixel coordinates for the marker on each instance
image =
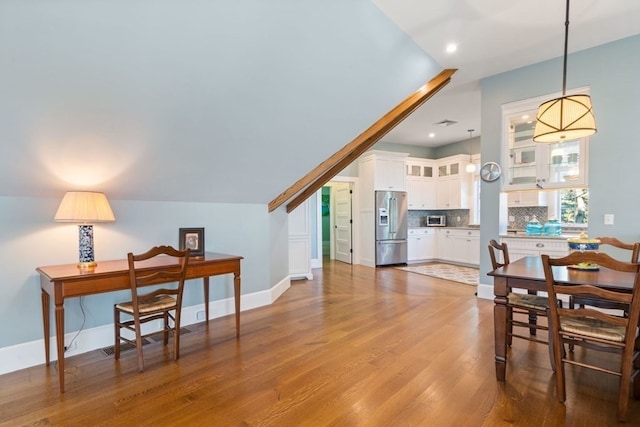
(192, 238)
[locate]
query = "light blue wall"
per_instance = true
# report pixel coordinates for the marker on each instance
(467, 146)
(30, 238)
(148, 93)
(413, 150)
(186, 114)
(611, 71)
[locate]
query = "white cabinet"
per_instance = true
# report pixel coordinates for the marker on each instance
(466, 244)
(385, 170)
(529, 165)
(420, 168)
(459, 246)
(444, 247)
(389, 174)
(300, 243)
(521, 199)
(421, 184)
(453, 183)
(526, 246)
(449, 194)
(421, 244)
(382, 170)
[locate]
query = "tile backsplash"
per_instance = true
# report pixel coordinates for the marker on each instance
(460, 217)
(455, 217)
(521, 216)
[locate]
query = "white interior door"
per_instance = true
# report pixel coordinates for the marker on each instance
(341, 193)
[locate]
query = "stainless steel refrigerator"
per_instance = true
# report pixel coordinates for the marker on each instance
(391, 227)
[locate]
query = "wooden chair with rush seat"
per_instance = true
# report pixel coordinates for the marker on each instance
(531, 305)
(581, 302)
(594, 329)
(634, 249)
(159, 304)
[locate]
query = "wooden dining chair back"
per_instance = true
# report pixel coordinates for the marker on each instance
(530, 304)
(592, 328)
(496, 249)
(633, 248)
(164, 266)
(634, 252)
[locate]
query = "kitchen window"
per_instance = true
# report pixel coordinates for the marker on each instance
(570, 206)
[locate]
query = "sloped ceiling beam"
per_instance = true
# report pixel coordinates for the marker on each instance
(325, 171)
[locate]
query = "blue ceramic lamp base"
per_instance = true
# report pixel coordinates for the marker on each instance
(85, 245)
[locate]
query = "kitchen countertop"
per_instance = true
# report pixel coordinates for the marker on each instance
(470, 227)
(510, 233)
(522, 234)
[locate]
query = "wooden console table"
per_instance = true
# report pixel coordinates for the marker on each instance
(68, 281)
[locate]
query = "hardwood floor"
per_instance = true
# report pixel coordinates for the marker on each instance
(356, 346)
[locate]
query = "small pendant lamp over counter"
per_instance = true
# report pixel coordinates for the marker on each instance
(471, 168)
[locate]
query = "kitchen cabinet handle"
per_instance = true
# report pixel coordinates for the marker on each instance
(539, 245)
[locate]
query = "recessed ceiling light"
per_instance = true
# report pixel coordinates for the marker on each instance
(432, 135)
(452, 47)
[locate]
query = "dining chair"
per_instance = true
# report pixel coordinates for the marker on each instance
(634, 249)
(160, 265)
(529, 304)
(592, 328)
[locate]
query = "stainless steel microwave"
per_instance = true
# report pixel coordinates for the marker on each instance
(436, 221)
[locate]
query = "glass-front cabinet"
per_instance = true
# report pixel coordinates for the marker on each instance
(419, 168)
(532, 165)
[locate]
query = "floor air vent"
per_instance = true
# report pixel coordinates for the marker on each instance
(125, 346)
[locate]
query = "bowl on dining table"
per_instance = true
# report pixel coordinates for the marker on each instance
(583, 244)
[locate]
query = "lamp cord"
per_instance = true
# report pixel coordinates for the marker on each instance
(84, 319)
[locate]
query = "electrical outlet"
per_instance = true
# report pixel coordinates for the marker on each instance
(526, 218)
(512, 218)
(608, 219)
(72, 346)
(200, 315)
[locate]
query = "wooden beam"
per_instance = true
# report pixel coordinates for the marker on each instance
(326, 170)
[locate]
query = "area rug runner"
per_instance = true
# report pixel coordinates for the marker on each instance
(466, 275)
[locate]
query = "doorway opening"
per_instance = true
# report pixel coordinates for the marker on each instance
(335, 222)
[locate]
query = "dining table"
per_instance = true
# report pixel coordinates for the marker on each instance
(527, 274)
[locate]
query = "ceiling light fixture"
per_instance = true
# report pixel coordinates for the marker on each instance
(452, 47)
(568, 117)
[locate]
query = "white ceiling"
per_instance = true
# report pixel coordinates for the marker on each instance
(494, 36)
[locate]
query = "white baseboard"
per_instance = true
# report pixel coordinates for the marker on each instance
(31, 353)
(485, 291)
